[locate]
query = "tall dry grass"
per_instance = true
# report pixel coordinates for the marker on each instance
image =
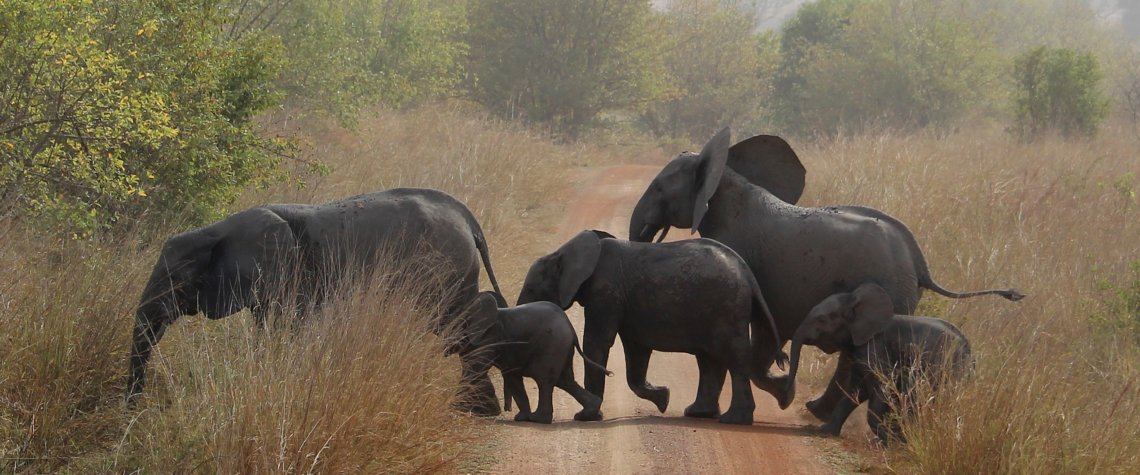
(1056, 388)
(367, 395)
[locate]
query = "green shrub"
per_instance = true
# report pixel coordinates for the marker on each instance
(1058, 89)
(136, 105)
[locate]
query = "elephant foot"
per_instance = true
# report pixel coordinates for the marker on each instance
(736, 416)
(817, 409)
(830, 429)
(522, 417)
(588, 415)
(703, 411)
(541, 418)
(660, 398)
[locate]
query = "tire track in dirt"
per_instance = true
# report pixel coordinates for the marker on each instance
(634, 437)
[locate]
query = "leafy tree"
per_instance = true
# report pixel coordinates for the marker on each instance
(562, 63)
(112, 108)
(1058, 89)
(721, 69)
(344, 55)
(892, 63)
(818, 25)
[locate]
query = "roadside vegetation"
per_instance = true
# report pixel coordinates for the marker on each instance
(1004, 133)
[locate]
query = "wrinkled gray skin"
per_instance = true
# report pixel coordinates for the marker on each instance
(535, 340)
(745, 196)
(693, 297)
(862, 325)
(224, 267)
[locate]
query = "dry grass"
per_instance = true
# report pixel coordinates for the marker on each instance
(371, 395)
(1056, 387)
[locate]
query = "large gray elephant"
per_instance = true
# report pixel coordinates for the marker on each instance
(241, 262)
(695, 297)
(904, 349)
(535, 340)
(745, 196)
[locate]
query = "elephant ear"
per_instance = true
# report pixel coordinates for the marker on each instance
(872, 312)
(484, 313)
(710, 168)
(578, 258)
(255, 244)
(769, 162)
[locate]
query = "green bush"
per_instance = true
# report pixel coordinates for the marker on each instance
(721, 70)
(562, 63)
(135, 105)
(1058, 89)
(882, 63)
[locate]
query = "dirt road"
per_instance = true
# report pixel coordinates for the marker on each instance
(634, 437)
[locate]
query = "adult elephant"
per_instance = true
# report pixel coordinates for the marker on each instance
(744, 196)
(239, 262)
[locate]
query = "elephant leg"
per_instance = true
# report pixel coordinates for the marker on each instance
(882, 421)
(710, 382)
(743, 406)
(477, 395)
(822, 406)
(851, 397)
(597, 340)
(590, 403)
(636, 365)
(514, 382)
(545, 412)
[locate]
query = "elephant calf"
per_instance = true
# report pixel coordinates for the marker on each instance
(535, 340)
(695, 297)
(886, 349)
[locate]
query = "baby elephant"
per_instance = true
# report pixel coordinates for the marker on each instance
(535, 340)
(901, 348)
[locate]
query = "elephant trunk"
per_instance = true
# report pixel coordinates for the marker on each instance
(640, 227)
(150, 324)
(794, 365)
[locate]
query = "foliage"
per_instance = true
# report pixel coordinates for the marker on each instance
(721, 68)
(563, 63)
(1058, 89)
(890, 63)
(135, 105)
(818, 25)
(342, 56)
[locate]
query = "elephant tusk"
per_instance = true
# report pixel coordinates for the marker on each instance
(646, 230)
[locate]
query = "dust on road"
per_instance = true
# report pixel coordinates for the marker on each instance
(634, 437)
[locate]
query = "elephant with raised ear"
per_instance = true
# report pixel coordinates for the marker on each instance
(890, 355)
(245, 260)
(695, 297)
(744, 196)
(535, 340)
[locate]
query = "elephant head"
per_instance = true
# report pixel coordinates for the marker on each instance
(217, 269)
(557, 277)
(679, 195)
(842, 321)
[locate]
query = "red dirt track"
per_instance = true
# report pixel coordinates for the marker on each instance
(634, 437)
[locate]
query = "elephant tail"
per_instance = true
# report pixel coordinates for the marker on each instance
(485, 254)
(760, 308)
(590, 361)
(921, 269)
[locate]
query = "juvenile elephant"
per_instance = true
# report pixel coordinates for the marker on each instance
(236, 263)
(535, 340)
(901, 348)
(694, 297)
(744, 196)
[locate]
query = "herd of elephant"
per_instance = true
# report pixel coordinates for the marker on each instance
(842, 278)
